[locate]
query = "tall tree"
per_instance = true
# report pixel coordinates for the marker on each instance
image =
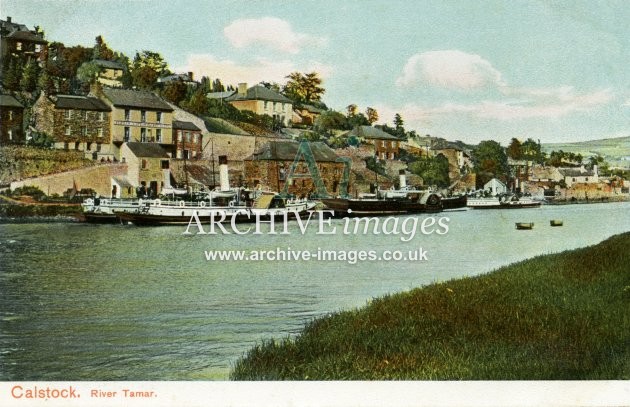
(12, 75)
(514, 150)
(304, 88)
(88, 72)
(490, 161)
(147, 67)
(372, 115)
(101, 50)
(352, 110)
(175, 91)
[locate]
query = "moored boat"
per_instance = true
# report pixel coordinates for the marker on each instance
(555, 222)
(524, 225)
(502, 202)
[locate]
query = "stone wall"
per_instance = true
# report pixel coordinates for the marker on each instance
(97, 178)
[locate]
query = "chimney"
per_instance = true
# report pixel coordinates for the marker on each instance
(242, 89)
(224, 178)
(402, 179)
(190, 76)
(8, 19)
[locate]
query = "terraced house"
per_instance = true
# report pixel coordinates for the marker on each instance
(187, 140)
(80, 123)
(137, 116)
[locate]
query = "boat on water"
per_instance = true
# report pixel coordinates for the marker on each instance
(105, 210)
(555, 222)
(502, 202)
(240, 208)
(524, 225)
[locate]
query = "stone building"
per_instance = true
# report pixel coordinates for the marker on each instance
(261, 100)
(11, 118)
(80, 123)
(305, 115)
(269, 167)
(18, 41)
(386, 146)
(137, 116)
(148, 166)
(187, 140)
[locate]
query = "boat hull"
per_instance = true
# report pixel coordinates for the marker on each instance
(379, 207)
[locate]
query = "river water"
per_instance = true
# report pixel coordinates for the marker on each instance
(119, 302)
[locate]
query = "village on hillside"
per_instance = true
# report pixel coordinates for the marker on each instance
(81, 121)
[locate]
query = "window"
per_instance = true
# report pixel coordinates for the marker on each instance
(127, 136)
(10, 134)
(101, 116)
(18, 46)
(158, 135)
(179, 135)
(165, 164)
(186, 154)
(38, 47)
(158, 117)
(88, 146)
(127, 114)
(143, 116)
(266, 103)
(99, 132)
(144, 164)
(68, 114)
(84, 131)
(143, 135)
(85, 114)
(10, 114)
(196, 138)
(98, 147)
(65, 146)
(68, 131)
(188, 137)
(76, 146)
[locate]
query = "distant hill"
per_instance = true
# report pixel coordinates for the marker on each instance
(616, 151)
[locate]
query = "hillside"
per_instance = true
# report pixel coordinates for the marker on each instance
(616, 151)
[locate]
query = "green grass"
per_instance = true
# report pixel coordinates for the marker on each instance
(564, 316)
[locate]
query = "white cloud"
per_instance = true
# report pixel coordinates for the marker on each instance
(563, 103)
(627, 103)
(452, 69)
(271, 32)
(232, 72)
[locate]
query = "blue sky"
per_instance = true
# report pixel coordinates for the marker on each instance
(463, 70)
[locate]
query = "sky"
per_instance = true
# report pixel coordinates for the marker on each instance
(554, 71)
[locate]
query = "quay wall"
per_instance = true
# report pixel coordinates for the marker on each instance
(98, 178)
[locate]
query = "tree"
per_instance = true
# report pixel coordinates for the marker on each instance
(101, 50)
(490, 161)
(303, 88)
(175, 92)
(329, 120)
(147, 67)
(531, 150)
(398, 123)
(198, 103)
(433, 170)
(372, 115)
(88, 72)
(30, 74)
(45, 83)
(352, 110)
(12, 75)
(514, 150)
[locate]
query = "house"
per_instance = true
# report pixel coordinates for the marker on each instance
(545, 174)
(187, 139)
(305, 115)
(385, 145)
(458, 160)
(148, 166)
(80, 123)
(495, 187)
(17, 40)
(186, 78)
(269, 166)
(579, 175)
(137, 116)
(111, 72)
(11, 118)
(261, 100)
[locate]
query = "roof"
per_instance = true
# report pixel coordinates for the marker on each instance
(287, 150)
(80, 103)
(185, 126)
(219, 95)
(9, 101)
(136, 98)
(176, 77)
(123, 181)
(147, 150)
(370, 132)
(259, 92)
(312, 109)
(109, 64)
(26, 36)
(576, 172)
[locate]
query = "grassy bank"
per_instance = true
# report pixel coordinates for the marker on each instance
(561, 316)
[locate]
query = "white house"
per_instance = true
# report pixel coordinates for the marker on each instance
(495, 186)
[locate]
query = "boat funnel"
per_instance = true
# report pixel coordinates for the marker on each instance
(224, 178)
(402, 179)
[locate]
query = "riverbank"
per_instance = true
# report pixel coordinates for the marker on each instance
(12, 209)
(555, 317)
